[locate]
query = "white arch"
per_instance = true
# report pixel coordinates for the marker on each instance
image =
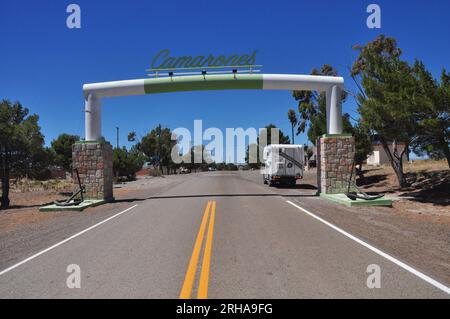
(94, 92)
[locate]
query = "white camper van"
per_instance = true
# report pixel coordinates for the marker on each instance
(283, 164)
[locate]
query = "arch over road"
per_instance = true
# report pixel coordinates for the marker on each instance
(94, 92)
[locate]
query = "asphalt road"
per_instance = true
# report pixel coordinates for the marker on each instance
(215, 235)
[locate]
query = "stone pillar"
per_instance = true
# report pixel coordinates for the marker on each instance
(94, 161)
(335, 153)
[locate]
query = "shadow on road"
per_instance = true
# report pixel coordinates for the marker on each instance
(130, 200)
(298, 186)
(28, 206)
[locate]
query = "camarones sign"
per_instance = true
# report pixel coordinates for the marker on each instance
(163, 61)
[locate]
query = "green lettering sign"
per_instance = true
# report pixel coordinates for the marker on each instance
(164, 61)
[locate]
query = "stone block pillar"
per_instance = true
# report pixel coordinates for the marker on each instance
(94, 161)
(335, 153)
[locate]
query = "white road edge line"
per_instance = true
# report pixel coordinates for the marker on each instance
(379, 252)
(64, 241)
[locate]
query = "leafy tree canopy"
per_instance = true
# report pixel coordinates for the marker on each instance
(388, 100)
(22, 149)
(312, 108)
(62, 148)
(127, 163)
(157, 146)
(432, 117)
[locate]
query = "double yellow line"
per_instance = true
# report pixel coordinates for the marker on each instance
(202, 292)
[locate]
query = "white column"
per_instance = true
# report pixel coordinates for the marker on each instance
(93, 125)
(334, 110)
(328, 108)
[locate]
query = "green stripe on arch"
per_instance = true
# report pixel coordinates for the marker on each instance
(200, 83)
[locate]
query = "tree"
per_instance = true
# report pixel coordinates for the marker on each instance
(363, 143)
(127, 163)
(292, 116)
(197, 151)
(62, 147)
(282, 138)
(40, 160)
(259, 146)
(157, 146)
(363, 146)
(131, 136)
(21, 145)
(433, 121)
(388, 99)
(312, 108)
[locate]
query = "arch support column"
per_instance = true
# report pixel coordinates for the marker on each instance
(94, 161)
(334, 110)
(92, 157)
(93, 123)
(335, 155)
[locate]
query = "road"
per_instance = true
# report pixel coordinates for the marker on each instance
(215, 235)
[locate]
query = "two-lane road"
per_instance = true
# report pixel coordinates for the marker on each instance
(215, 235)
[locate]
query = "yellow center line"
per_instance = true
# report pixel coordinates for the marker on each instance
(186, 290)
(204, 275)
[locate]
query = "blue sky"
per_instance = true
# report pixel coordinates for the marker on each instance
(43, 64)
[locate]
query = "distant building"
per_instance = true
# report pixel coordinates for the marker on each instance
(379, 156)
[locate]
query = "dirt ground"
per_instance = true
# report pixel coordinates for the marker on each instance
(24, 208)
(428, 196)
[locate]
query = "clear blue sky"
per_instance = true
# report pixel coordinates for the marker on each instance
(43, 64)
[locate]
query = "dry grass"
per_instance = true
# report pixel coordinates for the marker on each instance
(26, 196)
(427, 199)
(410, 167)
(429, 182)
(26, 185)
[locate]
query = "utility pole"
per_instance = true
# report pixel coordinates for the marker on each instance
(117, 137)
(159, 147)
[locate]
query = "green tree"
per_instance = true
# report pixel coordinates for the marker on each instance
(260, 144)
(292, 116)
(157, 146)
(62, 148)
(127, 163)
(282, 138)
(433, 121)
(388, 99)
(312, 108)
(21, 145)
(363, 143)
(131, 136)
(41, 159)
